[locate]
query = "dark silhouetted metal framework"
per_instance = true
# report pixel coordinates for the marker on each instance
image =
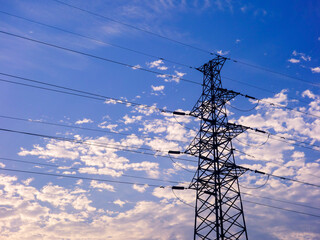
(219, 210)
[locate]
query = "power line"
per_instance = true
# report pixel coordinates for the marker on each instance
(128, 49)
(187, 45)
(96, 40)
(97, 57)
(262, 204)
(124, 182)
(134, 27)
(67, 126)
(276, 176)
(108, 146)
(73, 168)
(284, 209)
(270, 103)
(281, 138)
(279, 200)
(63, 125)
(261, 186)
(134, 104)
(252, 170)
(76, 177)
(79, 93)
(101, 97)
(260, 88)
(274, 72)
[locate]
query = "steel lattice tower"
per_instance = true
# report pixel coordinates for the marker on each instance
(218, 211)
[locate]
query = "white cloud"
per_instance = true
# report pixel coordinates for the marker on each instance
(172, 78)
(157, 88)
(119, 202)
(85, 120)
(221, 53)
(140, 188)
(177, 76)
(27, 181)
(54, 149)
(130, 120)
(163, 145)
(132, 140)
(146, 111)
(162, 68)
(100, 185)
(159, 64)
(308, 93)
(293, 60)
(302, 56)
(104, 125)
(136, 67)
(101, 171)
(315, 70)
(238, 41)
(306, 58)
(110, 101)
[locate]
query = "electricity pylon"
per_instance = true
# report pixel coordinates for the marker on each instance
(218, 211)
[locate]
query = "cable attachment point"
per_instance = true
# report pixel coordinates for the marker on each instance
(260, 131)
(178, 188)
(174, 152)
(247, 96)
(179, 113)
(257, 171)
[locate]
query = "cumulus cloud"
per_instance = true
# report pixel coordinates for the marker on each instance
(105, 125)
(140, 188)
(309, 94)
(54, 149)
(108, 187)
(119, 202)
(87, 219)
(147, 111)
(49, 219)
(132, 119)
(85, 120)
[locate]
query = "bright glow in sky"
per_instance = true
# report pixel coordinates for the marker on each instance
(279, 35)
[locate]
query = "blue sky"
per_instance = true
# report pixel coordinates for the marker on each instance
(282, 36)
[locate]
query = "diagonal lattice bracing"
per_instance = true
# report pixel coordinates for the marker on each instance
(219, 210)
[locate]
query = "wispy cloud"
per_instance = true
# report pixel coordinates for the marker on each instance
(85, 120)
(159, 64)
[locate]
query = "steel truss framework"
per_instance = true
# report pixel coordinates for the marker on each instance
(218, 211)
